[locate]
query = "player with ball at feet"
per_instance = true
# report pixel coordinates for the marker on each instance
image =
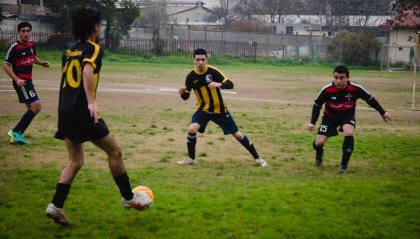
(340, 98)
(79, 120)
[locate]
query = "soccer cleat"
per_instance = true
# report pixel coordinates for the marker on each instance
(140, 201)
(342, 169)
(57, 214)
(318, 161)
(261, 162)
(12, 141)
(187, 161)
(17, 137)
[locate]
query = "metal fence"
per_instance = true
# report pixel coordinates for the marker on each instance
(56, 43)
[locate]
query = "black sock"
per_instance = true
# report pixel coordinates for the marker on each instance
(249, 146)
(191, 141)
(348, 146)
(123, 183)
(24, 122)
(60, 196)
(319, 151)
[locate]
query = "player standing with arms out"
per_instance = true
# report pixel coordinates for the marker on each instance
(206, 81)
(18, 65)
(78, 117)
(340, 98)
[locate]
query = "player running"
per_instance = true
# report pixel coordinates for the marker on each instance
(340, 98)
(18, 65)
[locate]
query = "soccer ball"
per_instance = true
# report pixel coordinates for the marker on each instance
(146, 195)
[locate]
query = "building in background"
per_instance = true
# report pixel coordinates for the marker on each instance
(403, 43)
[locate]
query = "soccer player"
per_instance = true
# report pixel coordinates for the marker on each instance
(340, 98)
(78, 117)
(18, 65)
(207, 82)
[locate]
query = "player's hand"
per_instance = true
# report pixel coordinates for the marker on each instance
(21, 82)
(310, 127)
(45, 64)
(386, 116)
(93, 112)
(182, 89)
(213, 84)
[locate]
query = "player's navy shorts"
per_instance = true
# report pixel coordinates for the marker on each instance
(329, 125)
(26, 93)
(224, 120)
(81, 130)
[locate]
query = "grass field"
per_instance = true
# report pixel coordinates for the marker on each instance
(225, 195)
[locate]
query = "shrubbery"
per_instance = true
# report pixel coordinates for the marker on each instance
(353, 48)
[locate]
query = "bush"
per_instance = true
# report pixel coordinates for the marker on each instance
(353, 48)
(60, 40)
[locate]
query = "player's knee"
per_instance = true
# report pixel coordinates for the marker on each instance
(238, 135)
(319, 143)
(115, 153)
(76, 165)
(192, 129)
(36, 107)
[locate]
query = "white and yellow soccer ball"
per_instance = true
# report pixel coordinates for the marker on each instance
(146, 195)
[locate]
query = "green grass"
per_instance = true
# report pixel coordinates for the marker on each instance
(225, 195)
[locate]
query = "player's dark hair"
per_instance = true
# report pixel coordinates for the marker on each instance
(84, 22)
(341, 69)
(200, 51)
(24, 24)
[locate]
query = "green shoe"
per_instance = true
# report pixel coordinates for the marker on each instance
(12, 141)
(17, 137)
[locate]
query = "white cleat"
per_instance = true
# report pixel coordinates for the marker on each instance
(57, 214)
(261, 162)
(187, 161)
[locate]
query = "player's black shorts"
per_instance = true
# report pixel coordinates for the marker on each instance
(224, 120)
(26, 93)
(81, 130)
(329, 125)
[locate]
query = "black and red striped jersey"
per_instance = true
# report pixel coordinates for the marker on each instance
(22, 58)
(341, 102)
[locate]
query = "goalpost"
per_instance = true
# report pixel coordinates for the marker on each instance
(415, 63)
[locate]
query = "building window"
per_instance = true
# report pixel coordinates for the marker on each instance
(289, 30)
(273, 29)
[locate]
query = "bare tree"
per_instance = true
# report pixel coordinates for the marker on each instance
(155, 17)
(224, 12)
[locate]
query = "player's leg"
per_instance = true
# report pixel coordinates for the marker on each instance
(76, 160)
(27, 95)
(191, 143)
(228, 125)
(327, 128)
(348, 146)
(250, 147)
(199, 122)
(116, 166)
(318, 145)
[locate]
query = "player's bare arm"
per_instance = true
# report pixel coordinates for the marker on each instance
(88, 85)
(8, 69)
(41, 62)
